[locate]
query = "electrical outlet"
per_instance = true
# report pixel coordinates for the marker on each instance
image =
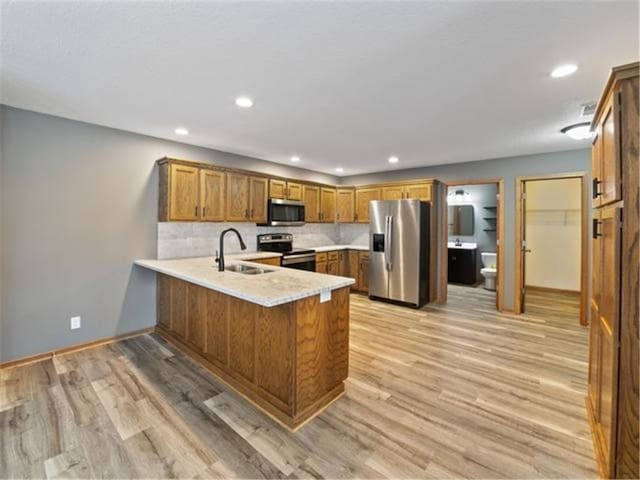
(75, 322)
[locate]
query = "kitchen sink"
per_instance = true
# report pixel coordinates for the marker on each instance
(247, 269)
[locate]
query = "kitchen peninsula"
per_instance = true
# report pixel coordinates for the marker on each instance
(277, 336)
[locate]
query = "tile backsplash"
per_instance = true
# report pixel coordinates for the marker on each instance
(191, 239)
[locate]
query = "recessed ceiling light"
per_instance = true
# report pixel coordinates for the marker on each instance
(339, 169)
(244, 102)
(393, 159)
(181, 131)
(564, 70)
(295, 159)
(579, 131)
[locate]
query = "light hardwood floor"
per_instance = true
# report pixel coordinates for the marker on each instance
(442, 392)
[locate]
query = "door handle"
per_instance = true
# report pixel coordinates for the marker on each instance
(595, 233)
(196, 210)
(594, 188)
(388, 251)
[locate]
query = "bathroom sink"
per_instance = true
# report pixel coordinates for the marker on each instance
(247, 269)
(463, 245)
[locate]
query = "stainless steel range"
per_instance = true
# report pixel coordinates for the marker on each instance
(292, 258)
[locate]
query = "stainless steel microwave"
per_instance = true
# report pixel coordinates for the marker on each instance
(284, 212)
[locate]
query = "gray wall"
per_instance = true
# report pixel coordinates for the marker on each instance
(507, 168)
(78, 205)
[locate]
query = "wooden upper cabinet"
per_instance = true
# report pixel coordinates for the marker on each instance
(277, 188)
(211, 195)
(596, 167)
(237, 197)
(258, 195)
(345, 200)
(283, 189)
(395, 192)
(183, 196)
(311, 199)
(327, 205)
(611, 186)
(420, 191)
(363, 197)
(294, 191)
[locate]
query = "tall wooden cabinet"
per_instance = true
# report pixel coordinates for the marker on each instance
(612, 399)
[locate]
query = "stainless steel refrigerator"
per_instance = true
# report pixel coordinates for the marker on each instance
(399, 251)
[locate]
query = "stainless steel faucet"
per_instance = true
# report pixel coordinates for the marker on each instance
(458, 242)
(220, 257)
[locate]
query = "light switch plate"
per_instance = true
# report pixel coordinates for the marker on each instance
(75, 323)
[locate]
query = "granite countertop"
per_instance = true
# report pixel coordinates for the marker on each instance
(331, 248)
(282, 285)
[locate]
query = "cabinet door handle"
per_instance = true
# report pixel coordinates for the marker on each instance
(246, 213)
(595, 232)
(355, 216)
(196, 210)
(251, 213)
(594, 190)
(338, 216)
(204, 209)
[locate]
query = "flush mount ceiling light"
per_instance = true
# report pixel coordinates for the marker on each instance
(459, 195)
(244, 102)
(295, 159)
(578, 131)
(393, 159)
(181, 131)
(564, 70)
(339, 169)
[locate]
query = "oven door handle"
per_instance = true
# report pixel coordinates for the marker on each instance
(306, 256)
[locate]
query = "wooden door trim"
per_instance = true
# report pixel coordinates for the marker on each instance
(584, 236)
(444, 274)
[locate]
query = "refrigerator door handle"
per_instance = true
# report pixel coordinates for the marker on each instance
(388, 251)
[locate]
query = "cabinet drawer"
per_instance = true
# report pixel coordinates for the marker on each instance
(332, 256)
(321, 257)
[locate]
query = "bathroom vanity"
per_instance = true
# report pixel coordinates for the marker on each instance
(462, 263)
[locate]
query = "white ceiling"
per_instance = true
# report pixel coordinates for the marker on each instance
(339, 84)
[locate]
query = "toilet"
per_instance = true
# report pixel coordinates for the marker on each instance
(489, 269)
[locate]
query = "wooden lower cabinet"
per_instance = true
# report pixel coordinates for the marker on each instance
(275, 261)
(358, 262)
(289, 360)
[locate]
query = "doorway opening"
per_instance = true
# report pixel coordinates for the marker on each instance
(472, 231)
(552, 264)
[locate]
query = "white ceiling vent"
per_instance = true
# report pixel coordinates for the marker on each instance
(587, 109)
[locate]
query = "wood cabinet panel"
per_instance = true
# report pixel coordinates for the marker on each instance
(237, 204)
(321, 364)
(327, 205)
(274, 350)
(596, 167)
(294, 191)
(179, 306)
(242, 324)
(363, 197)
(343, 263)
(419, 191)
(311, 198)
(363, 274)
(333, 267)
(395, 192)
(610, 164)
(196, 318)
(277, 189)
(163, 300)
(321, 266)
(184, 187)
(212, 184)
(345, 202)
(258, 196)
(217, 326)
(354, 268)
